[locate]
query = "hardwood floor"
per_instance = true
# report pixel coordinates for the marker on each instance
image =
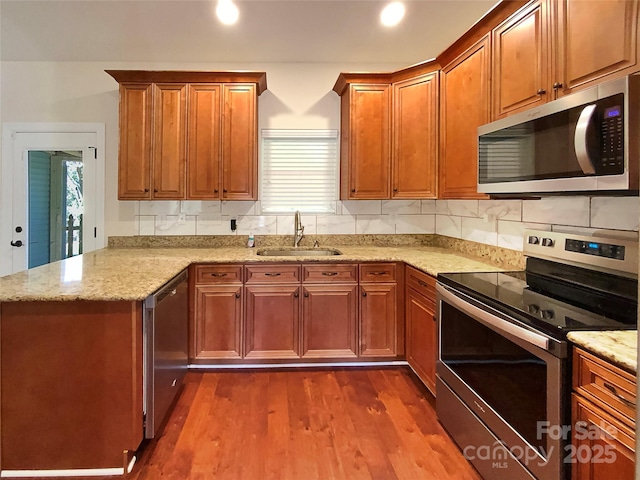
(303, 425)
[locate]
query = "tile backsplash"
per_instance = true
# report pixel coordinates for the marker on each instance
(492, 222)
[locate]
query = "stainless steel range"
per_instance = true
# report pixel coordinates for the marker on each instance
(503, 386)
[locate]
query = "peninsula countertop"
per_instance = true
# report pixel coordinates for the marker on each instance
(131, 274)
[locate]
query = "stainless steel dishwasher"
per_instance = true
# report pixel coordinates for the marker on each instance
(165, 350)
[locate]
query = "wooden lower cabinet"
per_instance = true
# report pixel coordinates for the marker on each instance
(272, 322)
(378, 320)
(603, 412)
(218, 322)
(422, 338)
(329, 321)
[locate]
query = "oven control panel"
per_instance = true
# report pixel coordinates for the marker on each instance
(599, 251)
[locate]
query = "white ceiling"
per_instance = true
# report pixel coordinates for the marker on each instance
(336, 31)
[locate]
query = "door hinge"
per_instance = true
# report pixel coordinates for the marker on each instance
(95, 152)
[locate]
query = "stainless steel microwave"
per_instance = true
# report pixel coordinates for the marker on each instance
(586, 142)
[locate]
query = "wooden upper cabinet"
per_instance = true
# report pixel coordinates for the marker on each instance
(464, 106)
(415, 137)
(188, 135)
(520, 61)
(595, 39)
(365, 152)
(170, 123)
(203, 149)
(239, 143)
(134, 167)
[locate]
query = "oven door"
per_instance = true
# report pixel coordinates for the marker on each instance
(502, 390)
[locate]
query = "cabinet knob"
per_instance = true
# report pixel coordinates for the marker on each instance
(364, 294)
(224, 190)
(395, 189)
(557, 85)
(155, 190)
(296, 294)
(237, 294)
(353, 190)
(146, 190)
(542, 91)
(215, 191)
(306, 294)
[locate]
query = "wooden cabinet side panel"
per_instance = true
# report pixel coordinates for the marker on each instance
(596, 39)
(422, 338)
(134, 156)
(464, 103)
(71, 374)
(415, 138)
(203, 148)
(521, 61)
(169, 153)
(218, 322)
(369, 149)
(378, 320)
(329, 318)
(239, 142)
(272, 322)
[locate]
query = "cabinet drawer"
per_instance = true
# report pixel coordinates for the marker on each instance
(209, 274)
(377, 272)
(605, 384)
(272, 274)
(422, 283)
(329, 273)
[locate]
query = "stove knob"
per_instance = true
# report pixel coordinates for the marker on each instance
(533, 308)
(534, 240)
(547, 242)
(547, 314)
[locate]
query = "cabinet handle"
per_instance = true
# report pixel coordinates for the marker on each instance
(329, 274)
(237, 294)
(423, 283)
(378, 273)
(272, 274)
(542, 91)
(364, 294)
(218, 274)
(626, 401)
(557, 85)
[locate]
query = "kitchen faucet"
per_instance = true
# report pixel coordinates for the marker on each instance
(298, 230)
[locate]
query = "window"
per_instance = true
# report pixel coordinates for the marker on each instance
(299, 171)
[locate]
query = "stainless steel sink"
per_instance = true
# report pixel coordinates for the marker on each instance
(302, 252)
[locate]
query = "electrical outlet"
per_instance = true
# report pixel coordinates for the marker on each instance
(233, 225)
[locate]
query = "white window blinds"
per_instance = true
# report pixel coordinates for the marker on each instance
(299, 171)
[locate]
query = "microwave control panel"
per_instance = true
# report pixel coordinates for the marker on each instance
(611, 140)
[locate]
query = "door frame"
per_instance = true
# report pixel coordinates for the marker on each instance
(7, 180)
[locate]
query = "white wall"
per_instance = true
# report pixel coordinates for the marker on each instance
(298, 96)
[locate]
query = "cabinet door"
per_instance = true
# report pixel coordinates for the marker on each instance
(596, 39)
(169, 154)
(329, 316)
(366, 161)
(422, 338)
(606, 449)
(521, 61)
(464, 107)
(134, 156)
(272, 322)
(415, 127)
(239, 142)
(218, 321)
(203, 148)
(378, 320)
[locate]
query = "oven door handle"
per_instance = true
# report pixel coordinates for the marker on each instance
(491, 320)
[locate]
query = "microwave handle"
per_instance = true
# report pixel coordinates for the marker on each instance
(580, 140)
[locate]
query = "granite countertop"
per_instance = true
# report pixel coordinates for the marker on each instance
(134, 273)
(620, 347)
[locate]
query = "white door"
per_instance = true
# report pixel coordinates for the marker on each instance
(15, 177)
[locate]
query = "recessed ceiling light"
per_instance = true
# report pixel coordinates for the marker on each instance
(392, 14)
(227, 12)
